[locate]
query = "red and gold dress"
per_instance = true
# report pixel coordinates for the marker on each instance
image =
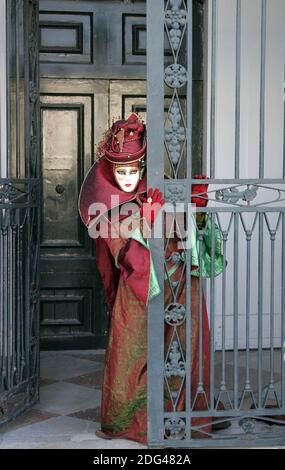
(128, 276)
(124, 391)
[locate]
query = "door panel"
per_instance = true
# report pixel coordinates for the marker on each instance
(127, 96)
(73, 311)
(98, 39)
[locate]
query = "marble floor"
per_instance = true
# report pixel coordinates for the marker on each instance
(68, 413)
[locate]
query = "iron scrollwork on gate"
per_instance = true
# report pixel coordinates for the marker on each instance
(209, 395)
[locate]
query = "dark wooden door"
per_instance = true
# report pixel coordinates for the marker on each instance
(86, 49)
(73, 312)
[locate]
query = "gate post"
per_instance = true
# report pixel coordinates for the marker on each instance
(19, 215)
(155, 133)
(173, 19)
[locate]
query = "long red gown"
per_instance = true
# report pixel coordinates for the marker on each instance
(124, 389)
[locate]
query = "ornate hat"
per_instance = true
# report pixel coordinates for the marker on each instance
(125, 142)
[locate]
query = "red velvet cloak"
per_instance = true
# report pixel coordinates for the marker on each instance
(99, 186)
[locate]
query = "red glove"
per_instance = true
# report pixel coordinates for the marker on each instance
(200, 189)
(152, 205)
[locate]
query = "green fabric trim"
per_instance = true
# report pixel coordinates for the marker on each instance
(205, 267)
(172, 270)
(122, 418)
(154, 288)
(206, 257)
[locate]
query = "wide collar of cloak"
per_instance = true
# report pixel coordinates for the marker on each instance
(99, 186)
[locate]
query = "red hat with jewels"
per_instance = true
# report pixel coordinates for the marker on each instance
(99, 184)
(125, 142)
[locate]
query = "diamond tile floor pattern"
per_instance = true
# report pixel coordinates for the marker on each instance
(68, 413)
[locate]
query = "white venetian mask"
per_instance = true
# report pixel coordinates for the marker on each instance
(127, 177)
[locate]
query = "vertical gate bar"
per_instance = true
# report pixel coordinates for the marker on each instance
(27, 104)
(247, 308)
(235, 308)
(14, 296)
(200, 355)
(27, 296)
(1, 308)
(212, 314)
(34, 160)
(19, 299)
(6, 301)
(262, 88)
(283, 314)
(10, 300)
(17, 85)
(27, 107)
(213, 90)
(272, 282)
(284, 122)
(155, 137)
(224, 286)
(27, 130)
(13, 266)
(3, 92)
(22, 295)
(237, 88)
(260, 307)
(9, 303)
(3, 299)
(8, 85)
(189, 96)
(1, 304)
(188, 336)
(188, 200)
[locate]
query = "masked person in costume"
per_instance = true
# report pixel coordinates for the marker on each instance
(123, 257)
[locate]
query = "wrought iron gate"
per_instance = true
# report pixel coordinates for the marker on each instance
(248, 216)
(19, 216)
